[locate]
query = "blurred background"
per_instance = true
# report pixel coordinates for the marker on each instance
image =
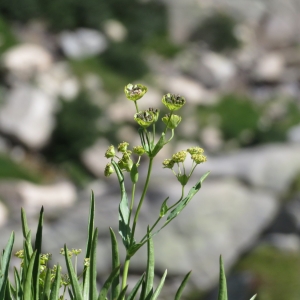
(64, 65)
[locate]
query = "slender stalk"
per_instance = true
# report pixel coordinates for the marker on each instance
(132, 201)
(136, 107)
(142, 199)
(125, 272)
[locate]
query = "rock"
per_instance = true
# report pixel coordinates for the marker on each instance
(26, 60)
(115, 30)
(212, 138)
(32, 197)
(293, 134)
(272, 166)
(284, 242)
(269, 68)
(82, 43)
(3, 214)
(28, 115)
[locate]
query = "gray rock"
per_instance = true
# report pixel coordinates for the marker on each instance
(284, 242)
(271, 166)
(28, 115)
(82, 43)
(294, 134)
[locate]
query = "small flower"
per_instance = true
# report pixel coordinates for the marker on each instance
(20, 254)
(110, 152)
(173, 102)
(139, 150)
(179, 156)
(108, 170)
(86, 262)
(123, 147)
(144, 118)
(172, 121)
(198, 158)
(155, 113)
(125, 163)
(168, 163)
(135, 92)
(76, 251)
(195, 150)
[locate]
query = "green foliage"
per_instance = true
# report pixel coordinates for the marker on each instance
(11, 170)
(218, 32)
(7, 38)
(277, 272)
(76, 129)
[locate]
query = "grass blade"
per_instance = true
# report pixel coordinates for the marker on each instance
(222, 282)
(150, 265)
(252, 298)
(18, 285)
(122, 294)
(90, 226)
(107, 283)
(73, 277)
(134, 291)
(5, 260)
(47, 285)
(93, 267)
(56, 285)
(182, 286)
(115, 286)
(28, 280)
(158, 289)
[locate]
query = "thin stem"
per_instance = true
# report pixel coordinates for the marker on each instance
(168, 121)
(182, 194)
(153, 132)
(142, 199)
(125, 271)
(132, 201)
(136, 107)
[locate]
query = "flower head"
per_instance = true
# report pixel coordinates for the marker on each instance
(144, 118)
(135, 92)
(179, 156)
(155, 113)
(198, 158)
(125, 163)
(123, 147)
(195, 150)
(110, 152)
(108, 170)
(139, 150)
(173, 102)
(168, 163)
(172, 121)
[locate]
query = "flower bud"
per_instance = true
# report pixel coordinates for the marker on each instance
(144, 118)
(139, 150)
(125, 163)
(195, 150)
(135, 92)
(173, 102)
(123, 147)
(168, 163)
(172, 121)
(199, 158)
(179, 156)
(108, 170)
(110, 152)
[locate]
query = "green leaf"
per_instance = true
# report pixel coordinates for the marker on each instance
(150, 265)
(134, 174)
(56, 284)
(115, 286)
(158, 289)
(164, 208)
(93, 267)
(122, 294)
(161, 142)
(124, 228)
(47, 285)
(38, 248)
(134, 291)
(28, 280)
(18, 285)
(90, 226)
(182, 286)
(252, 298)
(135, 247)
(5, 260)
(86, 284)
(222, 282)
(107, 283)
(73, 277)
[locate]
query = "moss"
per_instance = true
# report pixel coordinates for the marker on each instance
(276, 273)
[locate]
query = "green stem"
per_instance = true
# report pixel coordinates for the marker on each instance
(136, 107)
(125, 271)
(132, 201)
(142, 199)
(168, 121)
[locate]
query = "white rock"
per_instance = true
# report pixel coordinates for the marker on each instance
(27, 59)
(3, 214)
(82, 43)
(294, 134)
(284, 242)
(28, 115)
(270, 67)
(115, 30)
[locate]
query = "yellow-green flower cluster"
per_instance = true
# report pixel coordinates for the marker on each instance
(126, 163)
(110, 152)
(195, 150)
(173, 102)
(135, 92)
(168, 163)
(139, 150)
(198, 158)
(144, 118)
(123, 147)
(179, 156)
(108, 170)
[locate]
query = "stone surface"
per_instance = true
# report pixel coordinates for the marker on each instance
(293, 134)
(82, 43)
(28, 115)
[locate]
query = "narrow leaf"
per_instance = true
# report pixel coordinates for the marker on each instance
(86, 285)
(73, 277)
(222, 282)
(150, 264)
(158, 289)
(90, 225)
(28, 281)
(115, 286)
(122, 294)
(18, 285)
(124, 228)
(47, 285)
(56, 284)
(182, 286)
(134, 291)
(25, 228)
(107, 283)
(93, 267)
(252, 298)
(161, 142)
(164, 208)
